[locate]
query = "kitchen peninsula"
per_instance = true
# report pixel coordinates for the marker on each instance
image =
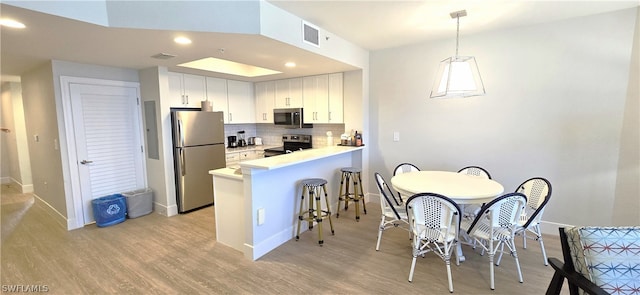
(256, 206)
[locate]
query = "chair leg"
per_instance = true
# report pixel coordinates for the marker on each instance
(300, 215)
(328, 212)
(413, 266)
(500, 255)
(524, 238)
(364, 205)
(318, 215)
(512, 247)
(341, 196)
(448, 262)
(492, 253)
(380, 230)
(544, 253)
(356, 197)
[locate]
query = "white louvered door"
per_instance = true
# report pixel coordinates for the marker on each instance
(106, 120)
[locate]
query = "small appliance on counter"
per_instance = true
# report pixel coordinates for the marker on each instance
(258, 140)
(251, 141)
(241, 141)
(232, 141)
(290, 143)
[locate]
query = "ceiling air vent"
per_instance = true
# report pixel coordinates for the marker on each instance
(310, 34)
(163, 56)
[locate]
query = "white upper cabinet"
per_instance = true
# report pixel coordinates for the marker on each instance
(316, 99)
(186, 90)
(323, 99)
(265, 101)
(289, 93)
(217, 94)
(241, 102)
(336, 98)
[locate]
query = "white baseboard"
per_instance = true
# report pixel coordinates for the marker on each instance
(57, 216)
(23, 188)
(164, 210)
(5, 180)
(551, 228)
(257, 251)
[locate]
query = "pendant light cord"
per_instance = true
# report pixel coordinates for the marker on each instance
(457, 34)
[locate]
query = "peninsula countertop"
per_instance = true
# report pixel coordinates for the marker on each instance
(297, 157)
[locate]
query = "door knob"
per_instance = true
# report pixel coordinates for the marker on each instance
(84, 162)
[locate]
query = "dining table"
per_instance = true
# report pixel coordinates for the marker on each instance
(461, 188)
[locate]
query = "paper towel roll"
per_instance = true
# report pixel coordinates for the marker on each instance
(205, 105)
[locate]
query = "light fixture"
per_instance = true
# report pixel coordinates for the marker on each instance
(290, 64)
(5, 22)
(182, 40)
(458, 76)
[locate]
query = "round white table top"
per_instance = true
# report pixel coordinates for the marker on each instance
(462, 188)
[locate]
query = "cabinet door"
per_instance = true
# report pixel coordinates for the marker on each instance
(241, 102)
(295, 92)
(195, 89)
(217, 94)
(289, 93)
(265, 102)
(336, 98)
(316, 106)
(176, 96)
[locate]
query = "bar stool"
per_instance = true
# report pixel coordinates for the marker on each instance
(314, 212)
(351, 175)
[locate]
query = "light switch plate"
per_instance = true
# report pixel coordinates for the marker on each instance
(396, 136)
(260, 216)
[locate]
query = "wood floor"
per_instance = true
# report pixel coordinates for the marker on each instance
(179, 255)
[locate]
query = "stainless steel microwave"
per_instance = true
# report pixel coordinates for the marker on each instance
(290, 118)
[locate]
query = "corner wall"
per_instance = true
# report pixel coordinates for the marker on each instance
(627, 195)
(554, 108)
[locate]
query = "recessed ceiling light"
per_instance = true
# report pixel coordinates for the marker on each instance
(227, 67)
(182, 40)
(12, 23)
(290, 64)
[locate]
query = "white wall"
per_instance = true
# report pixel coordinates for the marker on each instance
(627, 202)
(16, 166)
(554, 106)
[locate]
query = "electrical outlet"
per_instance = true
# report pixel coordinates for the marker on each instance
(396, 136)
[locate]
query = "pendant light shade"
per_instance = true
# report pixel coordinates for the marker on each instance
(457, 76)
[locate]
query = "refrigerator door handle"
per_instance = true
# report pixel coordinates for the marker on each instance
(183, 166)
(180, 133)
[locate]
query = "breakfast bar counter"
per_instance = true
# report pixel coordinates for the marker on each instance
(256, 205)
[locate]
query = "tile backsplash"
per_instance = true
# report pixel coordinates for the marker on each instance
(272, 134)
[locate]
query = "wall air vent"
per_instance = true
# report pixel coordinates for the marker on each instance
(310, 34)
(163, 56)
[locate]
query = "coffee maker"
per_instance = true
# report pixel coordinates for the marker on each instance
(232, 141)
(241, 141)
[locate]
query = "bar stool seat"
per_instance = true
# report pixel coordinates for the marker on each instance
(351, 190)
(311, 187)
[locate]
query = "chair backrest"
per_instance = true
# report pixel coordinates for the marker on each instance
(538, 192)
(436, 213)
(607, 256)
(388, 200)
(404, 168)
(503, 211)
(475, 171)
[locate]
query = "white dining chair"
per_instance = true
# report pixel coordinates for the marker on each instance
(404, 168)
(538, 192)
(394, 214)
(495, 226)
(434, 221)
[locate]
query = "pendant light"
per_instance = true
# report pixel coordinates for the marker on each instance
(458, 76)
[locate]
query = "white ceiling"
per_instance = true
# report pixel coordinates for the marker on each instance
(372, 25)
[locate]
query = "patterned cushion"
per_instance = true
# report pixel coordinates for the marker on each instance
(608, 256)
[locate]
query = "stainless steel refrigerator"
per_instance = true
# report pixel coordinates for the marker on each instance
(198, 146)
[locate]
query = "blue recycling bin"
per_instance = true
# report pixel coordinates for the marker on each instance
(109, 210)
